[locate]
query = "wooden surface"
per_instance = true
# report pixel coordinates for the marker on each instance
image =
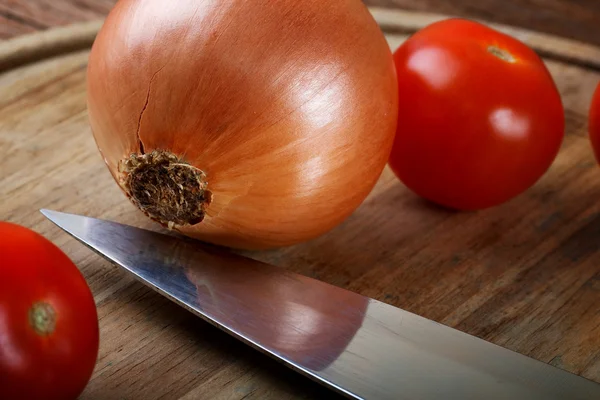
(573, 19)
(524, 275)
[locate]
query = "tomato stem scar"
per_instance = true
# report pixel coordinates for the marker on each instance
(501, 54)
(42, 318)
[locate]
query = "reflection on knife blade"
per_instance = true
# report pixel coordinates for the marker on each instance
(358, 346)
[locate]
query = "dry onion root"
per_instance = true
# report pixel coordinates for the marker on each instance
(165, 188)
(249, 124)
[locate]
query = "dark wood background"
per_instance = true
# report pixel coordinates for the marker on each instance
(527, 275)
(577, 19)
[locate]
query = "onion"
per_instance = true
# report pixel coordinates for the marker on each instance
(248, 124)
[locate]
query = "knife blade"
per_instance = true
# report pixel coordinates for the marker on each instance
(355, 345)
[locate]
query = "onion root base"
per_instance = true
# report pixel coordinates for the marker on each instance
(165, 188)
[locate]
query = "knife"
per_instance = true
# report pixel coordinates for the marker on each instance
(355, 345)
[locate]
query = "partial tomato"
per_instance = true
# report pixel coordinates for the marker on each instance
(594, 123)
(480, 118)
(49, 332)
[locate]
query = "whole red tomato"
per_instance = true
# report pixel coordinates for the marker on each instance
(480, 118)
(49, 333)
(594, 123)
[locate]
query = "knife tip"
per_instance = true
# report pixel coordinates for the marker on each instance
(52, 215)
(47, 213)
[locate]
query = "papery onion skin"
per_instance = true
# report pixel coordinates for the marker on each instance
(288, 108)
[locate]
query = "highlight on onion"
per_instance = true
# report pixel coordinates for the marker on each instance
(248, 124)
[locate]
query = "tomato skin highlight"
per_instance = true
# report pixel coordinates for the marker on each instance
(49, 331)
(594, 123)
(480, 117)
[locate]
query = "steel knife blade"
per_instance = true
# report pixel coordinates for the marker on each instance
(355, 345)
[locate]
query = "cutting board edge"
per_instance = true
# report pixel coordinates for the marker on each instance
(37, 46)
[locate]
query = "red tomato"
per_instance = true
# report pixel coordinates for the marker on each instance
(49, 332)
(480, 118)
(594, 123)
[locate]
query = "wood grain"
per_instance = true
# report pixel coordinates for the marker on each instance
(572, 19)
(26, 15)
(38, 45)
(524, 275)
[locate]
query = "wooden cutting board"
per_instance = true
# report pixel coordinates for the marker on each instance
(524, 275)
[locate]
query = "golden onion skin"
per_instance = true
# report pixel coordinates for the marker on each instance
(287, 109)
